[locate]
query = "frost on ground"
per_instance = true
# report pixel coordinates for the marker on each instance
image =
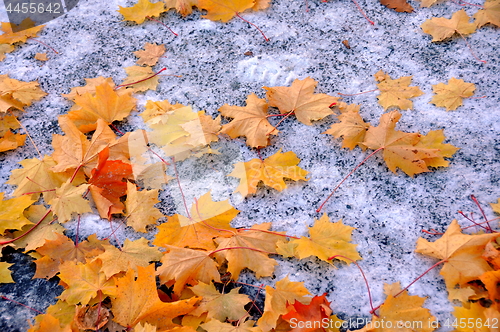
(211, 63)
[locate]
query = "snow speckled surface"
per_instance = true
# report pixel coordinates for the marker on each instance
(388, 211)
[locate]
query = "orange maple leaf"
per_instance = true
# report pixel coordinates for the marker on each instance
(13, 33)
(271, 171)
(150, 55)
(187, 266)
(401, 6)
(396, 93)
(183, 7)
(308, 317)
(137, 301)
(400, 149)
(252, 250)
(18, 94)
(450, 95)
(9, 140)
(300, 100)
(249, 121)
(107, 104)
(207, 221)
(107, 185)
(140, 210)
(351, 127)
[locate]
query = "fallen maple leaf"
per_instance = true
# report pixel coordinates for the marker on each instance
(183, 7)
(9, 140)
(434, 140)
(140, 208)
(396, 93)
(187, 266)
(326, 239)
(252, 250)
(150, 55)
(62, 249)
(309, 317)
(107, 105)
(83, 282)
(224, 10)
(401, 6)
(5, 48)
(130, 256)
(5, 273)
(300, 99)
(153, 109)
(450, 95)
(401, 150)
(17, 94)
(351, 127)
(219, 306)
(11, 212)
(141, 10)
(107, 185)
(402, 308)
(249, 121)
(461, 254)
(137, 301)
(91, 317)
(271, 171)
(489, 14)
(90, 87)
(441, 28)
(13, 33)
(46, 230)
(68, 200)
(285, 292)
(207, 221)
(143, 75)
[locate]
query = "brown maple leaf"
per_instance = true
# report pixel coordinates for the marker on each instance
(300, 100)
(150, 55)
(401, 6)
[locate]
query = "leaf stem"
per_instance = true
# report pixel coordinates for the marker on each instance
(256, 27)
(275, 127)
(364, 277)
(41, 42)
(24, 305)
(482, 212)
(152, 19)
(470, 48)
(345, 178)
(362, 12)
(145, 79)
(29, 231)
(180, 188)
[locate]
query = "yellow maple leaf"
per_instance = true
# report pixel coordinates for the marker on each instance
(326, 239)
(90, 87)
(249, 121)
(351, 127)
(37, 177)
(138, 73)
(17, 94)
(5, 48)
(401, 150)
(140, 210)
(153, 109)
(461, 252)
(275, 305)
(219, 306)
(300, 99)
(217, 326)
(46, 230)
(11, 212)
(441, 28)
(187, 266)
(83, 282)
(450, 95)
(183, 7)
(224, 10)
(41, 57)
(10, 141)
(141, 10)
(257, 260)
(489, 14)
(5, 273)
(13, 33)
(130, 256)
(107, 105)
(475, 313)
(68, 200)
(402, 313)
(207, 221)
(396, 93)
(271, 171)
(150, 55)
(434, 140)
(137, 301)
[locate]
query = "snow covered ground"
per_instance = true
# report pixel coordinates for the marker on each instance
(219, 63)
